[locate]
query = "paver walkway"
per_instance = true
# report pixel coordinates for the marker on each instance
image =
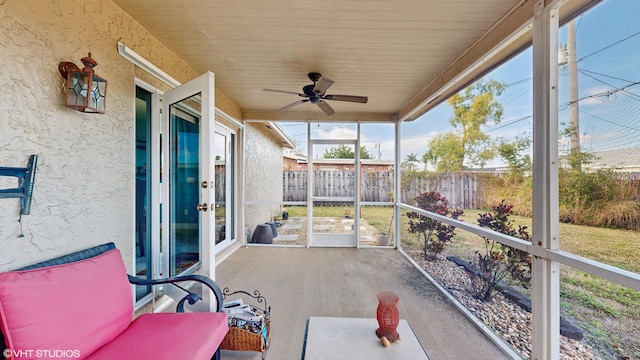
(294, 230)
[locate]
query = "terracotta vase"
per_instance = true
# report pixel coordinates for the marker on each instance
(388, 316)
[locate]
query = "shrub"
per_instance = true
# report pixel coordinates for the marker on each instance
(499, 263)
(598, 199)
(434, 234)
(518, 193)
(583, 189)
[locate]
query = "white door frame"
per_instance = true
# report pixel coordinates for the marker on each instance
(203, 85)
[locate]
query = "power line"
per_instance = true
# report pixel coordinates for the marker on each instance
(632, 95)
(609, 46)
(517, 82)
(605, 75)
(602, 94)
(510, 122)
(610, 122)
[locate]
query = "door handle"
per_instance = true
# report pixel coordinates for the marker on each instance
(202, 207)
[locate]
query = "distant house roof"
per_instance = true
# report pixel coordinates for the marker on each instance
(303, 160)
(292, 162)
(619, 159)
(299, 158)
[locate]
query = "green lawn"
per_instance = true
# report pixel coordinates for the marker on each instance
(610, 246)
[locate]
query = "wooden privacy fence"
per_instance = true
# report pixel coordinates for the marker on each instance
(628, 175)
(461, 189)
(630, 185)
(294, 185)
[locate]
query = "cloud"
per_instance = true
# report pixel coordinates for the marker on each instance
(595, 95)
(337, 132)
(416, 144)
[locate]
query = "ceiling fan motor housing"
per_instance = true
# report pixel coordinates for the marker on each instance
(308, 90)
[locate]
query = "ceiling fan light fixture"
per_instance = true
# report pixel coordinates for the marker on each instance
(315, 94)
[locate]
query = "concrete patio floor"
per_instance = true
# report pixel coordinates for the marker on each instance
(300, 282)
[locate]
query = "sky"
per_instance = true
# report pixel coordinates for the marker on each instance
(608, 52)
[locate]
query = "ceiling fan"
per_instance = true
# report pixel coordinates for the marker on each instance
(316, 94)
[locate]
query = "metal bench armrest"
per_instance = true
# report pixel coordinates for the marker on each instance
(190, 297)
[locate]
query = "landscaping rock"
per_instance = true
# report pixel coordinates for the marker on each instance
(506, 317)
(567, 328)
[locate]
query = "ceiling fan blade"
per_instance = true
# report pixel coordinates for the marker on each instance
(293, 104)
(351, 98)
(322, 85)
(285, 92)
(328, 110)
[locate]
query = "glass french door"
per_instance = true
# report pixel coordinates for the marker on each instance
(188, 180)
(224, 206)
(144, 171)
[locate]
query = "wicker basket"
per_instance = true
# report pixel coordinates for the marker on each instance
(239, 339)
(243, 340)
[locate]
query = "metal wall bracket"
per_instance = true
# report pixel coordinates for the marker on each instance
(24, 191)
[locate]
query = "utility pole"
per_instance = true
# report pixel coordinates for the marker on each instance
(574, 116)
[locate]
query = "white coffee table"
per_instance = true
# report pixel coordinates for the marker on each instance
(335, 338)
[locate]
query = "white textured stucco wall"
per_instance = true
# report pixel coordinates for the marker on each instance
(84, 182)
(263, 176)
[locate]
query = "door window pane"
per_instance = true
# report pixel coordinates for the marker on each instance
(220, 153)
(142, 188)
(184, 215)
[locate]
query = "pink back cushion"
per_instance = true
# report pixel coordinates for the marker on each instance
(76, 306)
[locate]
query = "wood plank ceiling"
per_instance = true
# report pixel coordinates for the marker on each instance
(390, 51)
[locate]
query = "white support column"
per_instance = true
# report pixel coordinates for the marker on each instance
(357, 171)
(397, 180)
(310, 185)
(545, 273)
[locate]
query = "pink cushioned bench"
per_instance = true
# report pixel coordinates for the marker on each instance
(80, 306)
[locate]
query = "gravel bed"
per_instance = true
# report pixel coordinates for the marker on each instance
(506, 318)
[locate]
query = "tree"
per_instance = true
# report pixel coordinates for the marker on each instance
(576, 158)
(410, 161)
(345, 152)
(467, 144)
(516, 154)
(445, 152)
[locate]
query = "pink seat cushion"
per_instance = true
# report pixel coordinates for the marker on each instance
(168, 336)
(77, 306)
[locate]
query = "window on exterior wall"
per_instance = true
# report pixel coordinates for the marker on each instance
(599, 175)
